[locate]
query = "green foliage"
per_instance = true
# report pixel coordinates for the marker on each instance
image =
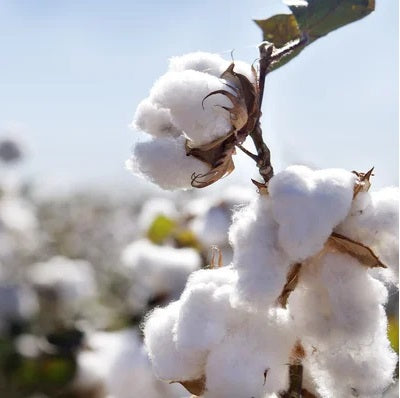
(393, 332)
(312, 21)
(160, 229)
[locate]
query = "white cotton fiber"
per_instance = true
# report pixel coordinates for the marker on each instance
(212, 64)
(343, 328)
(374, 221)
(307, 205)
(250, 362)
(169, 363)
(158, 270)
(206, 304)
(71, 280)
(261, 264)
(212, 226)
(164, 162)
(183, 93)
(154, 120)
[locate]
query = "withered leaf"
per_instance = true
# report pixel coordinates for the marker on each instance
(195, 387)
(362, 183)
(218, 155)
(292, 278)
(355, 249)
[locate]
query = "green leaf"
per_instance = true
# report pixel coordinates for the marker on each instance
(323, 16)
(279, 29)
(160, 229)
(314, 20)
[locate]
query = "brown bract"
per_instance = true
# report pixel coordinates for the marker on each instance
(244, 115)
(195, 387)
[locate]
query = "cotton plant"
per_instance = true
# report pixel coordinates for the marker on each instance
(115, 365)
(65, 288)
(299, 312)
(158, 273)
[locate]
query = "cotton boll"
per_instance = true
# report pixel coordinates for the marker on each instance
(159, 270)
(212, 227)
(183, 93)
(164, 162)
(344, 301)
(250, 362)
(213, 64)
(130, 373)
(262, 266)
(208, 305)
(364, 367)
(374, 221)
(168, 362)
(216, 276)
(71, 280)
(307, 205)
(154, 120)
(17, 215)
(338, 312)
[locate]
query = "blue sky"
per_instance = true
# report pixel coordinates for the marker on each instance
(72, 73)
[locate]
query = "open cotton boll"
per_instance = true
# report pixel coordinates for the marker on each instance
(262, 266)
(71, 280)
(154, 120)
(250, 362)
(130, 373)
(168, 362)
(164, 162)
(344, 300)
(212, 227)
(343, 328)
(359, 367)
(161, 270)
(213, 64)
(208, 305)
(374, 221)
(307, 205)
(183, 93)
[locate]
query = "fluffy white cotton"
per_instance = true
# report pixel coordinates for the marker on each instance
(261, 264)
(157, 271)
(71, 280)
(206, 302)
(212, 64)
(212, 226)
(169, 363)
(154, 120)
(213, 218)
(307, 205)
(164, 162)
(343, 328)
(183, 93)
(236, 367)
(118, 363)
(17, 215)
(374, 221)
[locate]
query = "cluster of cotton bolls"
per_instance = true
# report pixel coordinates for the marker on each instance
(235, 329)
(175, 115)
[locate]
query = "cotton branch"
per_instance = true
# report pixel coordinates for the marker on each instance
(268, 56)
